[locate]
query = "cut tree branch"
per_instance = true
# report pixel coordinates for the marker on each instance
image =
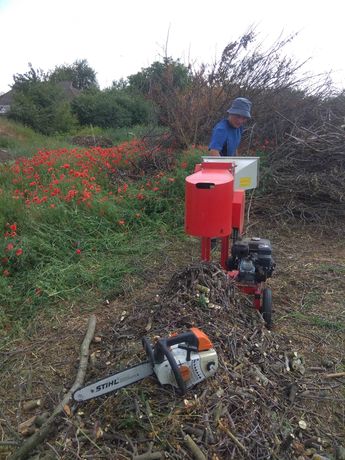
(40, 435)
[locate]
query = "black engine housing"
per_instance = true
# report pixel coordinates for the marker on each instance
(252, 257)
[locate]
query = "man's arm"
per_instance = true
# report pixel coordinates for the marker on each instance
(218, 139)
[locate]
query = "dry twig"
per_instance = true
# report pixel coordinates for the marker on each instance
(40, 435)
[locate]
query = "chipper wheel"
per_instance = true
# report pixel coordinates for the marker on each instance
(266, 307)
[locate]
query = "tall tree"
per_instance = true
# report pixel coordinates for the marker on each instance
(169, 73)
(79, 73)
(24, 80)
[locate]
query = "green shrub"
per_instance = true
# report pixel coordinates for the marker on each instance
(111, 108)
(43, 107)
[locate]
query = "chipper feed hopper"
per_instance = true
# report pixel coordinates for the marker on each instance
(214, 209)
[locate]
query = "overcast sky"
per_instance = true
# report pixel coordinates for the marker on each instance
(119, 37)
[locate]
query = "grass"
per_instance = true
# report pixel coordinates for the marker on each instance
(334, 269)
(311, 299)
(20, 140)
(69, 234)
(318, 321)
(118, 135)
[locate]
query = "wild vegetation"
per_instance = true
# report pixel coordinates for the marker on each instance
(91, 219)
(71, 218)
(62, 197)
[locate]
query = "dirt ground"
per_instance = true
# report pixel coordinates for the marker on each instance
(5, 155)
(309, 312)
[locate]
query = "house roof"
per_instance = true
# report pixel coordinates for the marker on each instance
(6, 99)
(69, 89)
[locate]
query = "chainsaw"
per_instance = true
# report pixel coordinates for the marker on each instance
(181, 361)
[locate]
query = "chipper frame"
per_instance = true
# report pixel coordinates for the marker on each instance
(214, 209)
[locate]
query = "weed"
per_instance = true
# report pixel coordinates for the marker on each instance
(71, 235)
(311, 299)
(203, 301)
(318, 321)
(335, 269)
(23, 141)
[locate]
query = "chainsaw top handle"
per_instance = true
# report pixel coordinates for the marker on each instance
(162, 349)
(194, 340)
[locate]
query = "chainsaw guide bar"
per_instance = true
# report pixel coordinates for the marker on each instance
(114, 382)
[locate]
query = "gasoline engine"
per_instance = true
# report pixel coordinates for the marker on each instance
(252, 258)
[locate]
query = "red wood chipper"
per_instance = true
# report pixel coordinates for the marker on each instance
(214, 209)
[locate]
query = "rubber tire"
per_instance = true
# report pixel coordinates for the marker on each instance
(266, 309)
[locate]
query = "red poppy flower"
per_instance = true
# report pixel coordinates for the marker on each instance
(9, 247)
(19, 252)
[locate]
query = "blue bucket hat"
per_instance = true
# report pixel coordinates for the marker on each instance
(240, 106)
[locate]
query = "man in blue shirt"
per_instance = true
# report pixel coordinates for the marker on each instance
(226, 135)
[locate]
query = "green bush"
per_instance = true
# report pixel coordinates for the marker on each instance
(111, 108)
(43, 107)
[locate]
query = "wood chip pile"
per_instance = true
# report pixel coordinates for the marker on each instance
(264, 402)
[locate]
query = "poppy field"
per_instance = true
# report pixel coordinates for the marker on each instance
(76, 222)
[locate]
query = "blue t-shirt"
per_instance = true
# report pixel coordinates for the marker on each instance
(225, 138)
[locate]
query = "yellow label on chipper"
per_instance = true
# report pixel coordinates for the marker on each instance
(245, 181)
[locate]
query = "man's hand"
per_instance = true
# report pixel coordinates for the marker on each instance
(214, 153)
